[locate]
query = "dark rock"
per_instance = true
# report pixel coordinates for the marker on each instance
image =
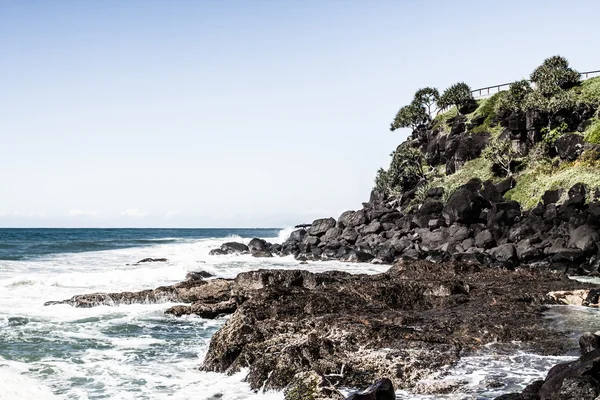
(230, 248)
(569, 146)
(505, 185)
(197, 275)
(357, 256)
(485, 239)
(458, 233)
(436, 192)
(585, 238)
(577, 196)
(352, 219)
(433, 239)
(297, 236)
(463, 206)
(349, 235)
(491, 192)
(258, 245)
(320, 226)
(431, 207)
(551, 196)
(147, 260)
(383, 389)
(373, 227)
(504, 252)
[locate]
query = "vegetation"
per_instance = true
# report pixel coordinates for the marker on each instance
(478, 168)
(406, 170)
(500, 153)
(592, 133)
(513, 98)
(410, 116)
(554, 75)
(532, 184)
(428, 98)
(558, 99)
(456, 95)
(488, 109)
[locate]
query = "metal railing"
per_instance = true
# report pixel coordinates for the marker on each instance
(491, 90)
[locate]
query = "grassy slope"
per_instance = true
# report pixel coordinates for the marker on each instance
(533, 181)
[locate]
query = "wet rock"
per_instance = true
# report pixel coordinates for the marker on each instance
(383, 389)
(230, 248)
(147, 260)
(197, 275)
(203, 310)
(258, 245)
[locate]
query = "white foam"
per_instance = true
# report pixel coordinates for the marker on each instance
(16, 384)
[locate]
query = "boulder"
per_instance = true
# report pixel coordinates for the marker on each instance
(383, 389)
(320, 226)
(352, 219)
(373, 227)
(504, 252)
(485, 239)
(432, 239)
(349, 235)
(297, 235)
(230, 248)
(463, 206)
(197, 275)
(147, 260)
(585, 238)
(551, 196)
(505, 185)
(577, 196)
(569, 146)
(258, 245)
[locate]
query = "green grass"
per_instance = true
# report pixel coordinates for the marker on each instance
(477, 168)
(532, 183)
(589, 91)
(592, 133)
(487, 108)
(441, 120)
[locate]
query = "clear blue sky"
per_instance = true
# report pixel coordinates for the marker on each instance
(238, 113)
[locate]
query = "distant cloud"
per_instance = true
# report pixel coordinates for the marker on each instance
(82, 213)
(133, 212)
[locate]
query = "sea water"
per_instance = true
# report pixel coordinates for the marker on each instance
(138, 352)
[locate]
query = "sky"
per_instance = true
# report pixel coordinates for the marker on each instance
(238, 113)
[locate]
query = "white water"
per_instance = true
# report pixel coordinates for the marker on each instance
(137, 352)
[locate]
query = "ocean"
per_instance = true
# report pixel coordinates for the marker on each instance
(138, 352)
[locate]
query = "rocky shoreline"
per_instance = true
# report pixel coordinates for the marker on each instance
(475, 224)
(311, 333)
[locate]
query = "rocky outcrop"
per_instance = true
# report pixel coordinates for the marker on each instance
(301, 331)
(359, 328)
(475, 222)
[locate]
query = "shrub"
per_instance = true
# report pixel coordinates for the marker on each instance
(550, 135)
(535, 101)
(513, 99)
(457, 95)
(501, 153)
(553, 75)
(410, 116)
(406, 169)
